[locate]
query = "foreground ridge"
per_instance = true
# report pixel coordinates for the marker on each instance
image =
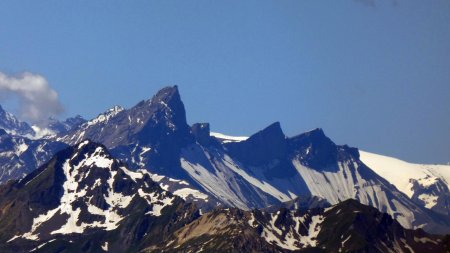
(345, 227)
(81, 196)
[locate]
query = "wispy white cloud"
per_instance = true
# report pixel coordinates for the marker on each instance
(37, 100)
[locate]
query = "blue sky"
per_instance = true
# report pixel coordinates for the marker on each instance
(372, 74)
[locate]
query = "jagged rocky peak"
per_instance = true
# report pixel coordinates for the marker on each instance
(316, 134)
(315, 142)
(201, 132)
(169, 107)
(314, 149)
(270, 135)
(262, 147)
(170, 95)
(12, 125)
(61, 127)
(148, 122)
(167, 125)
(164, 111)
(2, 131)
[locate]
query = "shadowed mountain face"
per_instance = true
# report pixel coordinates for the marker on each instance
(261, 148)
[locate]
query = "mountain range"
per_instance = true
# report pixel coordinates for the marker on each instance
(143, 179)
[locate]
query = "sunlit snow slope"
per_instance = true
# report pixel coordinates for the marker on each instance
(424, 183)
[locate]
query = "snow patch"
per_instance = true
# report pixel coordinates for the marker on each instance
(184, 193)
(21, 148)
(227, 138)
(105, 246)
(429, 200)
(104, 117)
(156, 201)
(313, 231)
(42, 245)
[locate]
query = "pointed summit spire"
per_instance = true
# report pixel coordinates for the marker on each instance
(316, 149)
(263, 146)
(167, 93)
(148, 122)
(272, 133)
(168, 101)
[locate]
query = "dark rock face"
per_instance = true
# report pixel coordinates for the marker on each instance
(166, 131)
(201, 133)
(315, 150)
(263, 147)
(168, 118)
(268, 146)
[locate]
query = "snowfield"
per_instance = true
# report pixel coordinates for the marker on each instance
(399, 173)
